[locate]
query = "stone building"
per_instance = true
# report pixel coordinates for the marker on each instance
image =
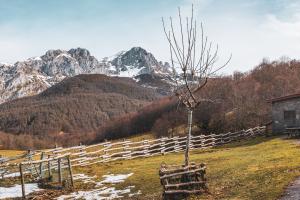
(285, 113)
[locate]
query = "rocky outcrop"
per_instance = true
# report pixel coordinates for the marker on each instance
(34, 75)
(138, 61)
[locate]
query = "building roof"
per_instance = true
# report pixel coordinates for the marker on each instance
(284, 98)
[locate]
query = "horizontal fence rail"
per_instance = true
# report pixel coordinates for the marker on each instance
(83, 155)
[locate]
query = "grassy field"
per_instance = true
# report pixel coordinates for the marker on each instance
(9, 153)
(257, 169)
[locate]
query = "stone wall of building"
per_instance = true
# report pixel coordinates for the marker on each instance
(279, 123)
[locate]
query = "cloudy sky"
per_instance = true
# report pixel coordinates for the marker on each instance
(250, 30)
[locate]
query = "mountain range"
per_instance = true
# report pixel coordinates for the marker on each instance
(34, 75)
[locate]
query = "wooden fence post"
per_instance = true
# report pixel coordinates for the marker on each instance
(30, 159)
(22, 180)
(49, 167)
(162, 146)
(145, 148)
(59, 170)
(41, 165)
(70, 171)
(222, 138)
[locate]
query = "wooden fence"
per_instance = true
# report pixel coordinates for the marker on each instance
(83, 155)
(40, 171)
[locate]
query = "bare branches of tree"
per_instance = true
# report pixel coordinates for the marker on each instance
(196, 58)
(193, 55)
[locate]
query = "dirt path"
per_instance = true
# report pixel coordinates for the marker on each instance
(293, 191)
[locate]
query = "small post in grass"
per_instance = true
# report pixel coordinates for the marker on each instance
(49, 168)
(70, 171)
(59, 170)
(41, 165)
(22, 180)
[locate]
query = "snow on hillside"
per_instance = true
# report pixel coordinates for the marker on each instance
(36, 74)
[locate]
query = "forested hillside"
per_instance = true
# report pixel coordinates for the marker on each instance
(74, 110)
(74, 107)
(240, 100)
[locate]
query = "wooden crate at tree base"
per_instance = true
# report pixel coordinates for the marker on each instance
(181, 181)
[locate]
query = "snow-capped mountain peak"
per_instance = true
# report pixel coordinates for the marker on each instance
(136, 61)
(35, 74)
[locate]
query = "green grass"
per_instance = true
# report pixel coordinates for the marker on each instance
(259, 168)
(10, 153)
(256, 169)
(138, 137)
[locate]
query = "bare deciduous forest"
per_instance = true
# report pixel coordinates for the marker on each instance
(240, 102)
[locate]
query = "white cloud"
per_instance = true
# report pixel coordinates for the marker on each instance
(290, 28)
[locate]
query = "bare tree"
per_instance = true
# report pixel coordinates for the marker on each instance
(195, 57)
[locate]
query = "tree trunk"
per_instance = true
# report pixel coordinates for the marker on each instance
(188, 138)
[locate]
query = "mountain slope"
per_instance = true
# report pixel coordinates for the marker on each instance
(78, 104)
(34, 75)
(138, 61)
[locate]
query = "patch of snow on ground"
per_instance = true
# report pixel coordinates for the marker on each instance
(102, 192)
(84, 178)
(119, 178)
(16, 191)
(13, 174)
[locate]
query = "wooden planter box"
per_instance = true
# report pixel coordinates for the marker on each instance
(179, 181)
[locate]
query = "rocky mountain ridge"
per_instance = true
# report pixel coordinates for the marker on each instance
(34, 75)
